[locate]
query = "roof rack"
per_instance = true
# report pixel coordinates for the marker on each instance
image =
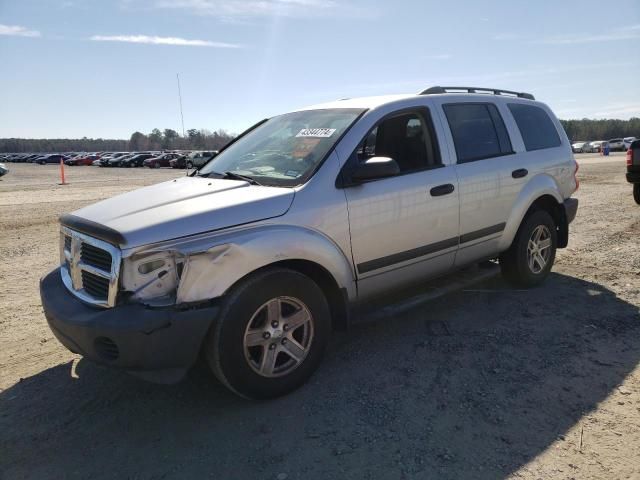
(494, 91)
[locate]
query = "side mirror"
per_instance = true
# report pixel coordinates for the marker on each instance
(374, 168)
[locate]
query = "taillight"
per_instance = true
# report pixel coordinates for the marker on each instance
(629, 157)
(575, 175)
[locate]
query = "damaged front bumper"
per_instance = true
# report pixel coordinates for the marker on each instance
(158, 344)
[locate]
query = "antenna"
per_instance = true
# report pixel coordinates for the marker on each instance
(180, 100)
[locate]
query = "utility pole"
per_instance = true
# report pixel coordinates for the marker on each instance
(180, 100)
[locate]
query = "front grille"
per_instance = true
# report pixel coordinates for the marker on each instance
(96, 257)
(97, 287)
(90, 268)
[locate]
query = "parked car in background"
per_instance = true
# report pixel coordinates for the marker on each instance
(592, 147)
(617, 144)
(136, 160)
(161, 160)
(578, 147)
(82, 160)
(117, 161)
(633, 168)
(180, 162)
(198, 159)
(628, 141)
(52, 158)
(3, 170)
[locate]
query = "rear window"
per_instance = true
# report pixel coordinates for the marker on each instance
(537, 129)
(478, 131)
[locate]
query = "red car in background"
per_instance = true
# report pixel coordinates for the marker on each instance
(162, 160)
(82, 160)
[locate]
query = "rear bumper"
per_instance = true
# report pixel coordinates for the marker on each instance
(570, 209)
(157, 344)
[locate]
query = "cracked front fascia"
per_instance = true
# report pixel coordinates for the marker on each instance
(214, 262)
(203, 270)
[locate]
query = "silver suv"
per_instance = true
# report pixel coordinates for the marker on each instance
(254, 259)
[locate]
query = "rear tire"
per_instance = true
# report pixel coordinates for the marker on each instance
(270, 335)
(636, 192)
(529, 259)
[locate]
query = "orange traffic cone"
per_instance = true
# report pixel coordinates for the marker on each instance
(62, 182)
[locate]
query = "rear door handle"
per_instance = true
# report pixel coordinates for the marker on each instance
(521, 172)
(440, 190)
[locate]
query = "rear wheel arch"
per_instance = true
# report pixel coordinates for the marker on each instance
(549, 204)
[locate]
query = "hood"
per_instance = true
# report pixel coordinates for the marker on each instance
(178, 208)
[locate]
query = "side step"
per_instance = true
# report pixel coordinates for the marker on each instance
(433, 289)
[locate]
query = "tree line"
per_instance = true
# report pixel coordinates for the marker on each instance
(157, 139)
(194, 139)
(587, 129)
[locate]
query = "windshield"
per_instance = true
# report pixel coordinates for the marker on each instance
(286, 150)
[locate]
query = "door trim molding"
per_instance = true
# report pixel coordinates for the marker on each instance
(400, 257)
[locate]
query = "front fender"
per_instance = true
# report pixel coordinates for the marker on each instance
(213, 265)
(538, 186)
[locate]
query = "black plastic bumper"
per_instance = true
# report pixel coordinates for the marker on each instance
(157, 344)
(633, 174)
(571, 209)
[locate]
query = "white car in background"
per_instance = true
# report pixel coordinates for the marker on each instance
(617, 144)
(578, 147)
(594, 147)
(628, 141)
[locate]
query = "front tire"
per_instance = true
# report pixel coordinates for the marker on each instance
(636, 192)
(529, 259)
(270, 335)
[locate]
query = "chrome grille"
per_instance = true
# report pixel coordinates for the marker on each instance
(97, 287)
(96, 257)
(89, 267)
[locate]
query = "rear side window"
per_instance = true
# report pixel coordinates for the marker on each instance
(536, 128)
(478, 131)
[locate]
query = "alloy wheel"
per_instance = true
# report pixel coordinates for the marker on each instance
(278, 337)
(539, 248)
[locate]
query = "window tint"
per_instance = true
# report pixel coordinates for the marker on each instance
(478, 131)
(407, 138)
(536, 128)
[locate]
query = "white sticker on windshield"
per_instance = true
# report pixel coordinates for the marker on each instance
(316, 132)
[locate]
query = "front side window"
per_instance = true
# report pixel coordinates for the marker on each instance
(407, 138)
(536, 128)
(478, 131)
(285, 150)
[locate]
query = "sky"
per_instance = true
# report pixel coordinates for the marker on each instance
(106, 68)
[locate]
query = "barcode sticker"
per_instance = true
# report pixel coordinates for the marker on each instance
(316, 132)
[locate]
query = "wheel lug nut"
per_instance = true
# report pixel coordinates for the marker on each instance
(272, 346)
(285, 327)
(284, 341)
(266, 335)
(274, 324)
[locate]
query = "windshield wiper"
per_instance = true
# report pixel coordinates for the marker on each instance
(232, 175)
(238, 176)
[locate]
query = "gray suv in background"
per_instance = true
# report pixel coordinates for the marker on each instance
(256, 257)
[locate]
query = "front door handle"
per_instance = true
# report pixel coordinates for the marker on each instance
(440, 190)
(521, 172)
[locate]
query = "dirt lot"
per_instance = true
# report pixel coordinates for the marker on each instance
(487, 383)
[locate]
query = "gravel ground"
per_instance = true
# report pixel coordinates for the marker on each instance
(485, 383)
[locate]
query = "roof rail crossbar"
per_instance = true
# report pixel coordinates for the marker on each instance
(494, 91)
